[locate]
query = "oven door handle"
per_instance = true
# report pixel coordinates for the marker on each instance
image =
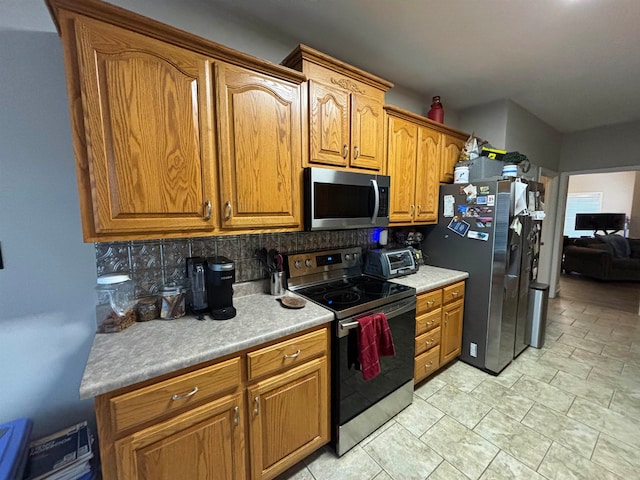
(391, 311)
(349, 325)
(376, 196)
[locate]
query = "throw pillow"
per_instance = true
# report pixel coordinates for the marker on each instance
(619, 244)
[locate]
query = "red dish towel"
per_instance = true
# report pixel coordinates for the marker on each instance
(374, 341)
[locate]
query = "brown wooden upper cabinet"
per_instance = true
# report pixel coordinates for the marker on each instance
(149, 162)
(345, 112)
(152, 158)
(413, 155)
(452, 144)
(259, 127)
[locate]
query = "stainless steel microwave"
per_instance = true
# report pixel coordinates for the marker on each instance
(336, 199)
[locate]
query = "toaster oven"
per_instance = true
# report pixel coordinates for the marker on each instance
(390, 263)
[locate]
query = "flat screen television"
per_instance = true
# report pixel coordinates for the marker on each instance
(607, 222)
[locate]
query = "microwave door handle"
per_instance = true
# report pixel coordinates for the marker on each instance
(376, 205)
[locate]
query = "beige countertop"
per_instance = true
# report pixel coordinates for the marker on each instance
(150, 349)
(428, 277)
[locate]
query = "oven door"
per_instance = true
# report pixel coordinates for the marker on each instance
(351, 394)
(337, 199)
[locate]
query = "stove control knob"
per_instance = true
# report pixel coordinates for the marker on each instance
(308, 262)
(297, 264)
(347, 257)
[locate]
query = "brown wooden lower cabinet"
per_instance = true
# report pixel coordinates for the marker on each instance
(439, 315)
(206, 443)
(288, 418)
(451, 343)
(225, 420)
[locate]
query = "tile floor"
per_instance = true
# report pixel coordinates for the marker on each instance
(570, 410)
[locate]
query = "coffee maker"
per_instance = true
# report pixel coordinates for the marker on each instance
(221, 274)
(196, 276)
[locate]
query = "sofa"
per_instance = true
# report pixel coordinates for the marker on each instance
(604, 257)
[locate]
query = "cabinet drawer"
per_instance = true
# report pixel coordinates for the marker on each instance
(427, 321)
(453, 292)
(286, 354)
(428, 301)
(427, 363)
(427, 340)
(142, 405)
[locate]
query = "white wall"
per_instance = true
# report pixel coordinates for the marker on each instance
(47, 320)
(617, 189)
(488, 122)
(530, 136)
(506, 125)
(615, 146)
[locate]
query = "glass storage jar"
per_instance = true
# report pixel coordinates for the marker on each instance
(172, 298)
(115, 307)
(147, 308)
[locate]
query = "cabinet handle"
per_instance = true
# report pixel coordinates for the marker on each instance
(345, 151)
(356, 152)
(236, 415)
(207, 210)
(256, 408)
(419, 209)
(412, 209)
(454, 294)
(429, 323)
(293, 355)
(429, 343)
(229, 210)
(430, 302)
(185, 395)
(429, 364)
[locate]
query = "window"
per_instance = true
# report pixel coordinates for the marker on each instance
(580, 203)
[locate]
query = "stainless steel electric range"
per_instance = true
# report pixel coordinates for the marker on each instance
(334, 280)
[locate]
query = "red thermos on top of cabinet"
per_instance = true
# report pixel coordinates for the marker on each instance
(436, 112)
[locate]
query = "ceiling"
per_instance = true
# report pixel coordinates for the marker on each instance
(575, 64)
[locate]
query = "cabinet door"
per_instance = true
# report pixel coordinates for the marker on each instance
(451, 149)
(367, 133)
(204, 443)
(403, 141)
(328, 125)
(427, 175)
(289, 418)
(259, 120)
(148, 124)
(451, 343)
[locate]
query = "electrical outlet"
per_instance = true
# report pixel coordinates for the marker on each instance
(473, 349)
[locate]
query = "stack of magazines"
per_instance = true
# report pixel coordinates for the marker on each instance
(65, 455)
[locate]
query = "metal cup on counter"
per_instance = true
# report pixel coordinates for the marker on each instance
(273, 262)
(278, 283)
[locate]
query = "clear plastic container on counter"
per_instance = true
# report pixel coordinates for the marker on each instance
(172, 301)
(115, 306)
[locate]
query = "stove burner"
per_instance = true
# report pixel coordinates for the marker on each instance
(360, 280)
(342, 298)
(315, 290)
(338, 283)
(375, 289)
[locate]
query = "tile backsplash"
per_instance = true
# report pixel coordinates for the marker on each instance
(150, 263)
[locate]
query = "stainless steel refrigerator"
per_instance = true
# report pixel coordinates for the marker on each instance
(488, 229)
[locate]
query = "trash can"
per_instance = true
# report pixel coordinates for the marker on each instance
(537, 318)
